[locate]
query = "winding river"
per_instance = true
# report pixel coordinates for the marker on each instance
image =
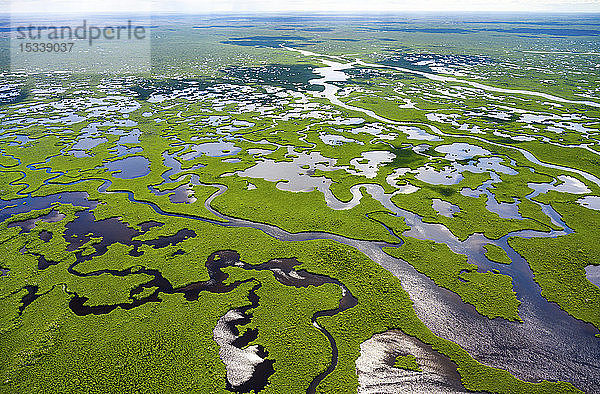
(549, 344)
(566, 348)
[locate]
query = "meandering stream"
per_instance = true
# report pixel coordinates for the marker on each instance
(549, 344)
(566, 348)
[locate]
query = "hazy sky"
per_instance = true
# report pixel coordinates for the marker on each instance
(207, 6)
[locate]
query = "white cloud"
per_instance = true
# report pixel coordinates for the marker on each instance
(208, 6)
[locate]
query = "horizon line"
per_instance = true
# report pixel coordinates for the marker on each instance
(309, 12)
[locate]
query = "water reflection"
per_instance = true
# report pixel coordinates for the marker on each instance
(444, 208)
(129, 167)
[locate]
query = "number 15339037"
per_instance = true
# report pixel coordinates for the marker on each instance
(46, 47)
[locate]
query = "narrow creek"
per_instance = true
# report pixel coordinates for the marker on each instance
(334, 73)
(549, 344)
(444, 78)
(566, 348)
(535, 310)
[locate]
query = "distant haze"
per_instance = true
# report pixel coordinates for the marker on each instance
(252, 6)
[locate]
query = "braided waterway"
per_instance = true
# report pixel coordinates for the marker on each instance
(544, 344)
(334, 72)
(549, 344)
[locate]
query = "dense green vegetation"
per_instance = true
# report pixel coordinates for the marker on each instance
(117, 191)
(407, 362)
(496, 253)
(559, 263)
(490, 293)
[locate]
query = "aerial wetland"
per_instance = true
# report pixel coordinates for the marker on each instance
(308, 204)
